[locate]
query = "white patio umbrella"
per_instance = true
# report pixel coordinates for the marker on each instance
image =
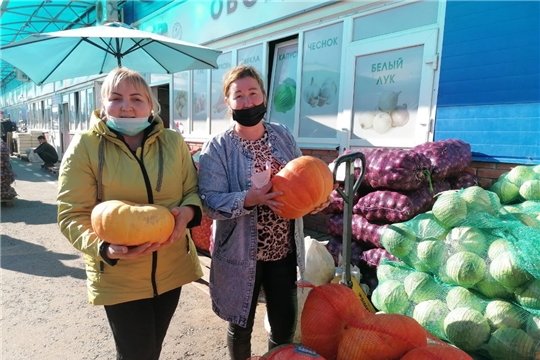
(94, 50)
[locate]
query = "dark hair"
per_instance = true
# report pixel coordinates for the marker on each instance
(41, 137)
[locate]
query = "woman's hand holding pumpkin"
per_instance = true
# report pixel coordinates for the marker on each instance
(131, 252)
(182, 216)
(263, 196)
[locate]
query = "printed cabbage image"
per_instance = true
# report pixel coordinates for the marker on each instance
(285, 96)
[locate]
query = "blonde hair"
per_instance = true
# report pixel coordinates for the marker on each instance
(240, 72)
(133, 78)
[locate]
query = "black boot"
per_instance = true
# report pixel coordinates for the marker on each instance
(239, 342)
(238, 351)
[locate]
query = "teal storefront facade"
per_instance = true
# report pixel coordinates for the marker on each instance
(457, 69)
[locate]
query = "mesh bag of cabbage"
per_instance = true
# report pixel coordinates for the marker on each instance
(495, 328)
(469, 241)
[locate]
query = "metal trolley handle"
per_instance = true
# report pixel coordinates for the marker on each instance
(350, 187)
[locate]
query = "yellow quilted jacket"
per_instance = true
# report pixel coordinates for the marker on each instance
(98, 158)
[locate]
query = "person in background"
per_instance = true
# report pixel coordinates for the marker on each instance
(253, 246)
(46, 152)
(128, 155)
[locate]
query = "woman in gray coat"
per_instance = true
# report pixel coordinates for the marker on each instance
(253, 246)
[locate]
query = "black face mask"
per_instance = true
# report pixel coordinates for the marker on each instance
(249, 117)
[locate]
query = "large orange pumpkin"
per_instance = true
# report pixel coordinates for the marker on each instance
(126, 223)
(327, 311)
(306, 182)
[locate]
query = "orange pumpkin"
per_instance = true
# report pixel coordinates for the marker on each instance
(327, 311)
(381, 337)
(437, 352)
(126, 223)
(306, 182)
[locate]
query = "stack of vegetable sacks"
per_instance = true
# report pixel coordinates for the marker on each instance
(6, 173)
(398, 185)
(472, 277)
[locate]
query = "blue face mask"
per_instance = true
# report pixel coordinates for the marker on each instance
(128, 126)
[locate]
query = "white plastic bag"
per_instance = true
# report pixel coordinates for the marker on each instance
(320, 269)
(32, 156)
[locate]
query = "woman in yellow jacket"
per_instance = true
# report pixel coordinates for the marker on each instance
(129, 155)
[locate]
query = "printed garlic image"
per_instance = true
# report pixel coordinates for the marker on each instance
(220, 105)
(388, 101)
(328, 92)
(310, 94)
(180, 102)
(382, 122)
(400, 115)
(199, 103)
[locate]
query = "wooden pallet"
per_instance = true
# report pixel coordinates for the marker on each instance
(8, 202)
(54, 170)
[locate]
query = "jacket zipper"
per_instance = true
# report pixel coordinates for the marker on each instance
(150, 201)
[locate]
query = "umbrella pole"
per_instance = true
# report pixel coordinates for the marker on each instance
(118, 56)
